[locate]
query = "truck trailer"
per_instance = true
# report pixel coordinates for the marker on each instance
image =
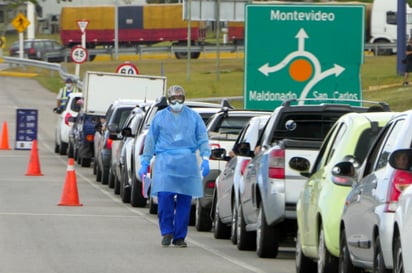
(137, 25)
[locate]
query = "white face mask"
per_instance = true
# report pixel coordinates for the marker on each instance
(69, 86)
(177, 107)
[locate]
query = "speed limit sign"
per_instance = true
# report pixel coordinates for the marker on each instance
(79, 54)
(127, 68)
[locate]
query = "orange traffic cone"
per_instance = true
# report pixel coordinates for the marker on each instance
(4, 141)
(33, 168)
(70, 196)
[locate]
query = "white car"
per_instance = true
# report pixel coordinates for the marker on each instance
(63, 126)
(402, 236)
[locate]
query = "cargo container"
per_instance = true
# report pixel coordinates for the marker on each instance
(137, 25)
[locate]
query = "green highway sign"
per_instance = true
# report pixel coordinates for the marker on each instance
(302, 51)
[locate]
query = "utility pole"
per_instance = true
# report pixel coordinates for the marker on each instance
(401, 36)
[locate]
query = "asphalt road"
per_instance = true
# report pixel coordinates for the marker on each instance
(103, 235)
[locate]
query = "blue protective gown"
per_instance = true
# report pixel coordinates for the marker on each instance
(174, 139)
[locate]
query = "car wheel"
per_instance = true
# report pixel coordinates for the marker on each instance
(378, 261)
(75, 154)
(105, 176)
(116, 186)
(397, 256)
(136, 197)
(192, 219)
(98, 173)
(222, 231)
(124, 191)
(233, 234)
(110, 181)
(267, 238)
(203, 221)
(245, 240)
(327, 263)
(70, 153)
(345, 262)
(56, 148)
(94, 166)
(63, 148)
(85, 162)
(152, 206)
(303, 263)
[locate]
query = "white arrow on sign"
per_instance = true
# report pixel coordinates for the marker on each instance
(82, 25)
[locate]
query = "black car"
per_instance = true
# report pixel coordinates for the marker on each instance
(40, 49)
(81, 137)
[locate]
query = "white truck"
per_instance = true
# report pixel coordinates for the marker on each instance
(383, 23)
(100, 90)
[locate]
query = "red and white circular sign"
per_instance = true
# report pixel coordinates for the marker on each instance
(127, 68)
(79, 54)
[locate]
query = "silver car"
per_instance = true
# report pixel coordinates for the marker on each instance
(368, 217)
(226, 192)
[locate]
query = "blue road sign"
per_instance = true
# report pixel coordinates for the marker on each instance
(26, 128)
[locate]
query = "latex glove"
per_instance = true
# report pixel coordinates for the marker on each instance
(205, 167)
(143, 169)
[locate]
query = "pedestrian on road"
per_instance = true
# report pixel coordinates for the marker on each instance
(175, 135)
(64, 94)
(408, 63)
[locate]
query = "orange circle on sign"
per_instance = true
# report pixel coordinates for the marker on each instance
(300, 70)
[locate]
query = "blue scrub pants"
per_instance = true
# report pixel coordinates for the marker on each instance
(174, 214)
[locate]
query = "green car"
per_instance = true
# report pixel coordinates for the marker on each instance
(321, 202)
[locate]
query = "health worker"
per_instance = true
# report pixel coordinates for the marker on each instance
(175, 135)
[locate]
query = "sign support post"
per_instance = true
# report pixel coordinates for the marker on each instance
(20, 22)
(82, 25)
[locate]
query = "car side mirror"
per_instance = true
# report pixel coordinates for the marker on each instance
(126, 132)
(114, 137)
(218, 154)
(344, 173)
(242, 149)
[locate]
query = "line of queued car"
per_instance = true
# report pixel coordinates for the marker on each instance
(354, 212)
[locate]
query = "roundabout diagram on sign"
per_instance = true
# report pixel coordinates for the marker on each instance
(303, 66)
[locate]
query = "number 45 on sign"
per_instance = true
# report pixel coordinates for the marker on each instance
(79, 54)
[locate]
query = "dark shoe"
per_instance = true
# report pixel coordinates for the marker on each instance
(405, 83)
(166, 240)
(180, 243)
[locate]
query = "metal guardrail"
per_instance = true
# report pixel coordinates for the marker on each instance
(13, 61)
(140, 50)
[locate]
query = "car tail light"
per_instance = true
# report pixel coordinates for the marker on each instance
(400, 181)
(243, 166)
(90, 138)
(109, 144)
(66, 118)
(32, 51)
(277, 164)
(210, 184)
(214, 146)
